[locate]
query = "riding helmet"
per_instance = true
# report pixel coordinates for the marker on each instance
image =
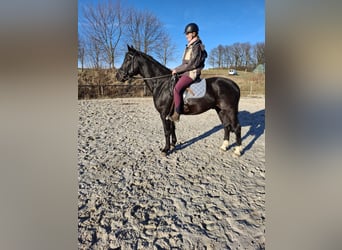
(191, 27)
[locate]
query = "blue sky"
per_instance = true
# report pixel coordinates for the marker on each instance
(220, 21)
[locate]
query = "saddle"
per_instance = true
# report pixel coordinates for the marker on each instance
(196, 89)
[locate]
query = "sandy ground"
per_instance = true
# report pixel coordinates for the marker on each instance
(198, 197)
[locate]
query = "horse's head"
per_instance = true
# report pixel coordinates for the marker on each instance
(129, 67)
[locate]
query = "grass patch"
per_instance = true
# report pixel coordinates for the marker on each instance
(251, 84)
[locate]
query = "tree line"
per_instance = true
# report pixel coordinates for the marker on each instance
(107, 26)
(241, 56)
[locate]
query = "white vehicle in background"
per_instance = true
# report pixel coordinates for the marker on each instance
(232, 72)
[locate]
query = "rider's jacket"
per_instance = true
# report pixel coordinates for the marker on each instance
(193, 60)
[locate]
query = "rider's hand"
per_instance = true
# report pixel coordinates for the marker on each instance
(174, 72)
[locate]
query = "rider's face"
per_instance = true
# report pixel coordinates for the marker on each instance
(189, 36)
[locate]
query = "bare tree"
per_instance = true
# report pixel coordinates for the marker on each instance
(237, 54)
(81, 51)
(166, 51)
(94, 53)
(245, 55)
(212, 59)
(144, 31)
(133, 23)
(220, 55)
(229, 56)
(225, 57)
(259, 52)
(103, 26)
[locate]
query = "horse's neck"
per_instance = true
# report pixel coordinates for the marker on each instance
(152, 69)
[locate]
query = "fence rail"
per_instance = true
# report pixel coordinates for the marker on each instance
(92, 91)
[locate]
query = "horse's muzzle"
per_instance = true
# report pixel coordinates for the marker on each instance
(121, 76)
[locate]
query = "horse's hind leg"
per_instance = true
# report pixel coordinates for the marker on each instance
(225, 143)
(230, 121)
(226, 128)
(236, 127)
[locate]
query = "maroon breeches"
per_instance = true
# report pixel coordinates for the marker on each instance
(181, 85)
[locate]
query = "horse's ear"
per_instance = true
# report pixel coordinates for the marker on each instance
(130, 48)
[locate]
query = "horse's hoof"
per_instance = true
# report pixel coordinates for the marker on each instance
(237, 151)
(163, 152)
(225, 145)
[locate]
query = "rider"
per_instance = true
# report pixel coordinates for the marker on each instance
(190, 69)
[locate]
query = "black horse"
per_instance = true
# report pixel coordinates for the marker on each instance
(222, 94)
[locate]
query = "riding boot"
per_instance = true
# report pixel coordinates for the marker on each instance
(175, 117)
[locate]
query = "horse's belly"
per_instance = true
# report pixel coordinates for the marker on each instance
(197, 106)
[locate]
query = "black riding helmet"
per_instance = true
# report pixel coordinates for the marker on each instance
(191, 27)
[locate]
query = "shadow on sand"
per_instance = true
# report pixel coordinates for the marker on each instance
(255, 121)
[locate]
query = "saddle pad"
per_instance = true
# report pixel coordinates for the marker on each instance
(197, 90)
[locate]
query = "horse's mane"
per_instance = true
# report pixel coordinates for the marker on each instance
(150, 58)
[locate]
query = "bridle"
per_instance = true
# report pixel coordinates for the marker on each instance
(130, 75)
(127, 75)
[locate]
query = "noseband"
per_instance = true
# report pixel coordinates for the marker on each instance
(127, 75)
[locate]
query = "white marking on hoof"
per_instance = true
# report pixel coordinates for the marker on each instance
(237, 150)
(225, 145)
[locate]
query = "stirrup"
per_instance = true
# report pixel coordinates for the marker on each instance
(175, 117)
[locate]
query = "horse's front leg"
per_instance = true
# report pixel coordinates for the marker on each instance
(173, 134)
(168, 131)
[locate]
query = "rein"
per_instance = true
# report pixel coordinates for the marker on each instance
(151, 78)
